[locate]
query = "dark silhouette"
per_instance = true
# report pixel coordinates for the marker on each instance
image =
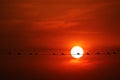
(19, 53)
(62, 53)
(78, 53)
(53, 53)
(9, 53)
(108, 53)
(30, 54)
(114, 53)
(36, 53)
(97, 53)
(88, 53)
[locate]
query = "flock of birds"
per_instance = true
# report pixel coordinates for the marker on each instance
(37, 53)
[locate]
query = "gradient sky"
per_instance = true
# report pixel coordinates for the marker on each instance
(59, 23)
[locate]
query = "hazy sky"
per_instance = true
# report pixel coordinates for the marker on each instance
(59, 23)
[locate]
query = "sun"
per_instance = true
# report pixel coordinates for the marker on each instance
(77, 52)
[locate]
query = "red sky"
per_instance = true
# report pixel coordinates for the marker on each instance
(59, 24)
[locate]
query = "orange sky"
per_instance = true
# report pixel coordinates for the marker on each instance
(59, 24)
(56, 26)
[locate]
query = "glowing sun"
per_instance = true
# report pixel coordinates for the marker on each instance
(77, 52)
